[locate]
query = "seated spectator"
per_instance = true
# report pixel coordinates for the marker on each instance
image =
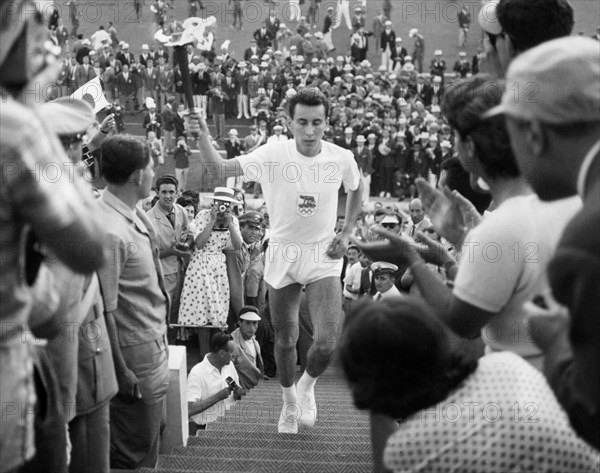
(248, 360)
(210, 392)
(492, 414)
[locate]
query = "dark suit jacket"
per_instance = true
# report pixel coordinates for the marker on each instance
(81, 77)
(572, 360)
(273, 26)
(388, 40)
(178, 124)
(125, 87)
(364, 159)
(148, 126)
(341, 142)
(248, 53)
(263, 39)
(233, 150)
(125, 58)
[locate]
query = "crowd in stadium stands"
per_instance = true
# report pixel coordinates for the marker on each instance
(486, 227)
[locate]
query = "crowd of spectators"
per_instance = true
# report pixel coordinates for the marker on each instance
(411, 281)
(394, 105)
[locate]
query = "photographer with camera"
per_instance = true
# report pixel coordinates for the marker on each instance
(205, 295)
(213, 383)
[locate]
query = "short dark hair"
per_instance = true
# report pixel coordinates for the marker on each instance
(219, 342)
(457, 178)
(185, 200)
(310, 96)
(421, 366)
(464, 105)
(532, 22)
(121, 156)
(166, 179)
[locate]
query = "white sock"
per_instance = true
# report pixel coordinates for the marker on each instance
(289, 395)
(307, 381)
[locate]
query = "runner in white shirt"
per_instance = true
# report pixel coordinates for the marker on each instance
(300, 179)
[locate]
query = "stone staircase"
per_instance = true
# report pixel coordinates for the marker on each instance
(246, 439)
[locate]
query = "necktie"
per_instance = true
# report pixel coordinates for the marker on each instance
(412, 231)
(171, 218)
(378, 297)
(372, 290)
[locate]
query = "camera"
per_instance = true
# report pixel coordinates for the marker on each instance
(231, 383)
(222, 208)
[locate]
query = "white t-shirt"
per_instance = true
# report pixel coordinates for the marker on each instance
(301, 193)
(503, 418)
(503, 264)
(352, 279)
(204, 381)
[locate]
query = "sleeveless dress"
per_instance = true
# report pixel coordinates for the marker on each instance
(205, 294)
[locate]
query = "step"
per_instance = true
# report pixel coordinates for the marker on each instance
(195, 464)
(300, 442)
(267, 453)
(302, 437)
(254, 410)
(333, 432)
(344, 420)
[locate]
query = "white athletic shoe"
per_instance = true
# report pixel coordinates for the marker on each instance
(308, 406)
(288, 420)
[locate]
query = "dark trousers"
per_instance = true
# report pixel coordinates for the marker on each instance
(90, 438)
(50, 424)
(135, 433)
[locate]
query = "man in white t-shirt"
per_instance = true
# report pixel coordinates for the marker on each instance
(209, 394)
(300, 179)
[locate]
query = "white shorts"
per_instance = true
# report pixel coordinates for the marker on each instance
(288, 262)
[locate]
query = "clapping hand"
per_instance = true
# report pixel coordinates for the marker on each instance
(392, 248)
(547, 319)
(451, 214)
(433, 251)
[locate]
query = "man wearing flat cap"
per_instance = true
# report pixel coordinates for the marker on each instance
(384, 277)
(248, 360)
(555, 139)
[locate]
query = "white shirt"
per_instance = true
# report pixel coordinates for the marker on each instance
(503, 265)
(98, 37)
(392, 292)
(277, 138)
(301, 193)
(503, 417)
(352, 279)
(204, 381)
(251, 349)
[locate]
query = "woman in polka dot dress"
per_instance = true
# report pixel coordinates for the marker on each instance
(457, 412)
(205, 294)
